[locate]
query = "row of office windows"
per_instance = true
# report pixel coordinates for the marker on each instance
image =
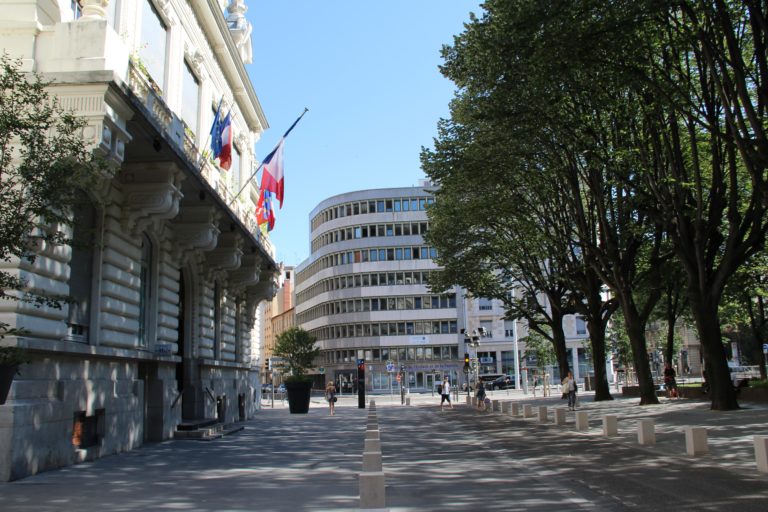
(365, 255)
(400, 204)
(370, 231)
(394, 354)
(363, 280)
(357, 330)
(338, 307)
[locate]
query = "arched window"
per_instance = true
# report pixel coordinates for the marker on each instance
(145, 290)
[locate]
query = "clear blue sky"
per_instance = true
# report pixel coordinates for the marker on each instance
(368, 72)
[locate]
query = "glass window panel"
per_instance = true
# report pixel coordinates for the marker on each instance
(190, 107)
(154, 38)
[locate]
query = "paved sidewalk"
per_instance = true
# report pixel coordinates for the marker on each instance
(456, 459)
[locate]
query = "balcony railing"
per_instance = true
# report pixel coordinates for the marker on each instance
(173, 129)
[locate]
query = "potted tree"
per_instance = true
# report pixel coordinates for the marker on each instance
(10, 359)
(297, 347)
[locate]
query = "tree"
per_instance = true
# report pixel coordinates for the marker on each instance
(45, 165)
(298, 348)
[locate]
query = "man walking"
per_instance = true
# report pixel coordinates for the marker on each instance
(445, 394)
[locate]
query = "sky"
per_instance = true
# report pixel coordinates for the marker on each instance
(368, 73)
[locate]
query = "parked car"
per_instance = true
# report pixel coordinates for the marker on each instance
(266, 388)
(501, 382)
(281, 388)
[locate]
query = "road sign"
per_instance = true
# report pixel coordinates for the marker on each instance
(390, 366)
(765, 347)
(321, 370)
(486, 360)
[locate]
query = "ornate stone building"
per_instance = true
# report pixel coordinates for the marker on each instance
(159, 330)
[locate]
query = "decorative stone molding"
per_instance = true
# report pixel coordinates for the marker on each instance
(240, 29)
(195, 60)
(165, 9)
(228, 253)
(248, 274)
(151, 192)
(195, 229)
(93, 9)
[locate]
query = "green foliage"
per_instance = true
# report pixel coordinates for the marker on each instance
(298, 348)
(539, 346)
(45, 165)
(13, 356)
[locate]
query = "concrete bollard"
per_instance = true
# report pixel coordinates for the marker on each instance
(469, 400)
(527, 411)
(495, 405)
(543, 415)
(372, 489)
(515, 409)
(610, 425)
(559, 416)
(474, 401)
(371, 462)
(696, 441)
(582, 420)
(408, 401)
(372, 434)
(372, 404)
(372, 445)
(646, 433)
(761, 453)
(506, 407)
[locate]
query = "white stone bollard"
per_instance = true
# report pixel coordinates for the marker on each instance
(469, 400)
(515, 409)
(371, 462)
(610, 425)
(495, 405)
(372, 445)
(372, 489)
(408, 401)
(373, 404)
(506, 407)
(543, 415)
(582, 420)
(761, 453)
(474, 401)
(559, 416)
(696, 441)
(646, 433)
(527, 411)
(372, 434)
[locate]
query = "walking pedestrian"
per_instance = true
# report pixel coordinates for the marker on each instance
(445, 394)
(569, 384)
(670, 383)
(480, 395)
(330, 395)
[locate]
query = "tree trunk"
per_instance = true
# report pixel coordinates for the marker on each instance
(597, 337)
(558, 339)
(636, 333)
(721, 390)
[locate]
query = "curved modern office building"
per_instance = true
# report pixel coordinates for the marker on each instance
(363, 294)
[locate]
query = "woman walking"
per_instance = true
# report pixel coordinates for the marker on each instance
(330, 395)
(570, 386)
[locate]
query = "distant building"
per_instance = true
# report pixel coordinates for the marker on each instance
(363, 294)
(161, 327)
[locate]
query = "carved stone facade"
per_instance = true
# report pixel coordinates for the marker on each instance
(161, 326)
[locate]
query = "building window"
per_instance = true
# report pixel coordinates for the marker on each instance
(235, 170)
(190, 96)
(154, 42)
(77, 9)
(81, 270)
(485, 304)
(581, 326)
(145, 290)
(216, 320)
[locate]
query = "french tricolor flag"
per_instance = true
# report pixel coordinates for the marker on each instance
(272, 177)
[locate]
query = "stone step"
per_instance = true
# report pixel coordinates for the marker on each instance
(209, 433)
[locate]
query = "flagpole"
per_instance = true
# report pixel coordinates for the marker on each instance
(261, 164)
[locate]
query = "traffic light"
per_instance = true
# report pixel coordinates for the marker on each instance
(466, 359)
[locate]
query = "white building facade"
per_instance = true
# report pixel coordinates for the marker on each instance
(160, 327)
(363, 294)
